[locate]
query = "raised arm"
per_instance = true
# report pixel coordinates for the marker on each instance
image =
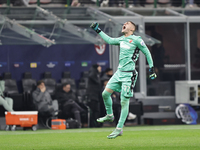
(142, 46)
(105, 37)
(37, 96)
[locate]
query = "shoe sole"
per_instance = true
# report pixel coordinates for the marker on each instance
(111, 120)
(120, 134)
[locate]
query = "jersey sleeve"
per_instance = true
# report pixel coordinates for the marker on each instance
(142, 46)
(108, 39)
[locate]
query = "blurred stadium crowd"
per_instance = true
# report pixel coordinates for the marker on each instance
(105, 3)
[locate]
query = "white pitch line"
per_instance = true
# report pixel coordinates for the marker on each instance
(144, 128)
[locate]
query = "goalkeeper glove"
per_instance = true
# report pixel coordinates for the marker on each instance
(95, 27)
(152, 74)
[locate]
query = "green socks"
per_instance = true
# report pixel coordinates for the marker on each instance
(124, 107)
(124, 113)
(107, 101)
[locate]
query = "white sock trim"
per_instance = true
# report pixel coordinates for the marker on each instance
(110, 114)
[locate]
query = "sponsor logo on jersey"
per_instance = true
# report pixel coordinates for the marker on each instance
(124, 45)
(131, 40)
(100, 49)
(142, 43)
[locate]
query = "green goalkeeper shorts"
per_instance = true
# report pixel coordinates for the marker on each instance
(123, 82)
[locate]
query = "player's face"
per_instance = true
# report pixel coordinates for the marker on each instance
(127, 27)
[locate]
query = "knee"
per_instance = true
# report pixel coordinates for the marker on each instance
(124, 101)
(105, 94)
(9, 99)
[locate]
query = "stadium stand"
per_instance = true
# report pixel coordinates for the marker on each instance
(28, 85)
(105, 3)
(11, 90)
(50, 83)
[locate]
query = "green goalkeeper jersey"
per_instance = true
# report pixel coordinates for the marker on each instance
(129, 50)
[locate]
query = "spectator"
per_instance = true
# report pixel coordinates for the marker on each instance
(104, 3)
(6, 102)
(133, 3)
(94, 93)
(20, 2)
(142, 3)
(25, 2)
(75, 3)
(107, 75)
(176, 3)
(43, 101)
(66, 99)
(113, 3)
(197, 2)
(191, 3)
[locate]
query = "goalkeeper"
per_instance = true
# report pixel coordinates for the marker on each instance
(125, 77)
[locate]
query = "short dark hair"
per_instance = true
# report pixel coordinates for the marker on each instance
(132, 24)
(95, 66)
(108, 69)
(40, 82)
(64, 84)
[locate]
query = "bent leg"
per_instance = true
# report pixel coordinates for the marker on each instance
(78, 107)
(107, 100)
(9, 101)
(55, 105)
(77, 116)
(5, 104)
(108, 105)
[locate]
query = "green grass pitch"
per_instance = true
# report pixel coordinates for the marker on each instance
(175, 137)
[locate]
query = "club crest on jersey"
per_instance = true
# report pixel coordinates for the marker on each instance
(131, 40)
(142, 43)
